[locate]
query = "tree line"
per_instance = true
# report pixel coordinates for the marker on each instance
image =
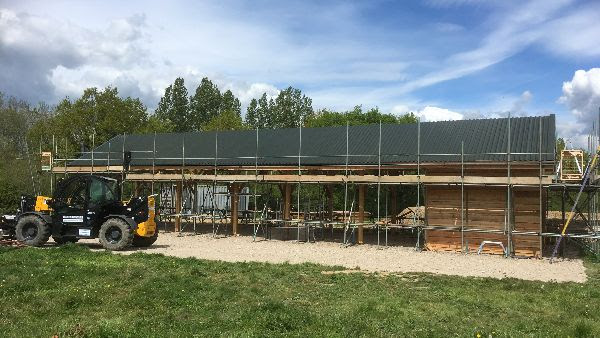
(78, 124)
(100, 114)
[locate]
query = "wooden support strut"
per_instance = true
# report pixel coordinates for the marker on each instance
(361, 212)
(329, 188)
(394, 203)
(414, 179)
(234, 190)
(178, 198)
(287, 201)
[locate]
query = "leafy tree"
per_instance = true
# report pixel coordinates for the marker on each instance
(101, 113)
(205, 104)
(265, 112)
(356, 116)
(226, 120)
(230, 103)
(286, 111)
(560, 146)
(156, 125)
(290, 108)
(252, 114)
(259, 113)
(174, 107)
(18, 160)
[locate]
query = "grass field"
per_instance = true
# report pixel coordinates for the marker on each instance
(71, 291)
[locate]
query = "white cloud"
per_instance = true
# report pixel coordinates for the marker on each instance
(400, 109)
(430, 113)
(521, 102)
(37, 55)
(582, 97)
(571, 131)
(582, 94)
(327, 50)
(575, 34)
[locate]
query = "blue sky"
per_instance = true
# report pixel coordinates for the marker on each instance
(442, 59)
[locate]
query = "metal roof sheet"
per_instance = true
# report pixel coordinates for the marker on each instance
(484, 140)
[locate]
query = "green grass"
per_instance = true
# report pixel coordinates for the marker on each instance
(71, 291)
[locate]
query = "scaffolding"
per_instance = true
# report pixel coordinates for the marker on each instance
(313, 219)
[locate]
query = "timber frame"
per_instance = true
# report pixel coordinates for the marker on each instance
(466, 203)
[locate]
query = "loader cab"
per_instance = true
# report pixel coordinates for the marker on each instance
(81, 202)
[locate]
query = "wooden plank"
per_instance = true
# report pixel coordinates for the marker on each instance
(487, 168)
(338, 178)
(361, 212)
(178, 204)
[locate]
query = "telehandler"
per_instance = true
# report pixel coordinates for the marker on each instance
(87, 206)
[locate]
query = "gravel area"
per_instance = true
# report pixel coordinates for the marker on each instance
(368, 258)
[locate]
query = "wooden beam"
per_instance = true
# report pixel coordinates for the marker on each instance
(329, 189)
(287, 201)
(178, 198)
(534, 165)
(394, 203)
(361, 212)
(87, 169)
(373, 179)
(234, 189)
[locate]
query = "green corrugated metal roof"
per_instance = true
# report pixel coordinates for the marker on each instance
(484, 140)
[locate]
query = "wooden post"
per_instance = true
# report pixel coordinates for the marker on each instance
(329, 188)
(178, 203)
(136, 188)
(394, 203)
(287, 201)
(234, 189)
(361, 212)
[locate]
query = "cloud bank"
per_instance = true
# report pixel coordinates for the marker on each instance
(582, 97)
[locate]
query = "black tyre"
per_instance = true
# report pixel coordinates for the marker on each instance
(115, 234)
(145, 241)
(64, 240)
(32, 230)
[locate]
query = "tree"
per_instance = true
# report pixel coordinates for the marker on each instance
(18, 160)
(226, 120)
(156, 125)
(265, 112)
(290, 108)
(92, 119)
(286, 111)
(205, 104)
(560, 146)
(252, 114)
(230, 103)
(174, 107)
(356, 116)
(259, 113)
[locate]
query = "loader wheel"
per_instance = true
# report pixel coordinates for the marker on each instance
(32, 230)
(64, 240)
(116, 234)
(145, 241)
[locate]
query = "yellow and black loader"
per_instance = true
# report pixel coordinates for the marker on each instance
(87, 206)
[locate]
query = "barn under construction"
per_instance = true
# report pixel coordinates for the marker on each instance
(478, 185)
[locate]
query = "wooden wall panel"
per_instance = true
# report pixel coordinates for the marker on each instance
(485, 208)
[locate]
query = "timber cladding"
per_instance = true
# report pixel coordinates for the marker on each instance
(485, 210)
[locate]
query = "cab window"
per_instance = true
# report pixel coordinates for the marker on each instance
(74, 194)
(101, 192)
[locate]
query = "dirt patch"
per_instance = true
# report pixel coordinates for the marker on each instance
(369, 258)
(12, 243)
